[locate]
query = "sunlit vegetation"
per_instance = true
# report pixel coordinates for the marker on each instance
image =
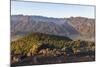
(48, 45)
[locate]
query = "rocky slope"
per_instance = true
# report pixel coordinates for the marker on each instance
(74, 27)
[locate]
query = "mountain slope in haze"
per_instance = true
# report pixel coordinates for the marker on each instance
(26, 24)
(85, 26)
(74, 27)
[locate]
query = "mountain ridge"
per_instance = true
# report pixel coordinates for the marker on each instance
(21, 24)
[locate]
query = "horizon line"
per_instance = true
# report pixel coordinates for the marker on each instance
(52, 17)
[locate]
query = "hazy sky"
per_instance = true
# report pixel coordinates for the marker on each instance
(51, 10)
